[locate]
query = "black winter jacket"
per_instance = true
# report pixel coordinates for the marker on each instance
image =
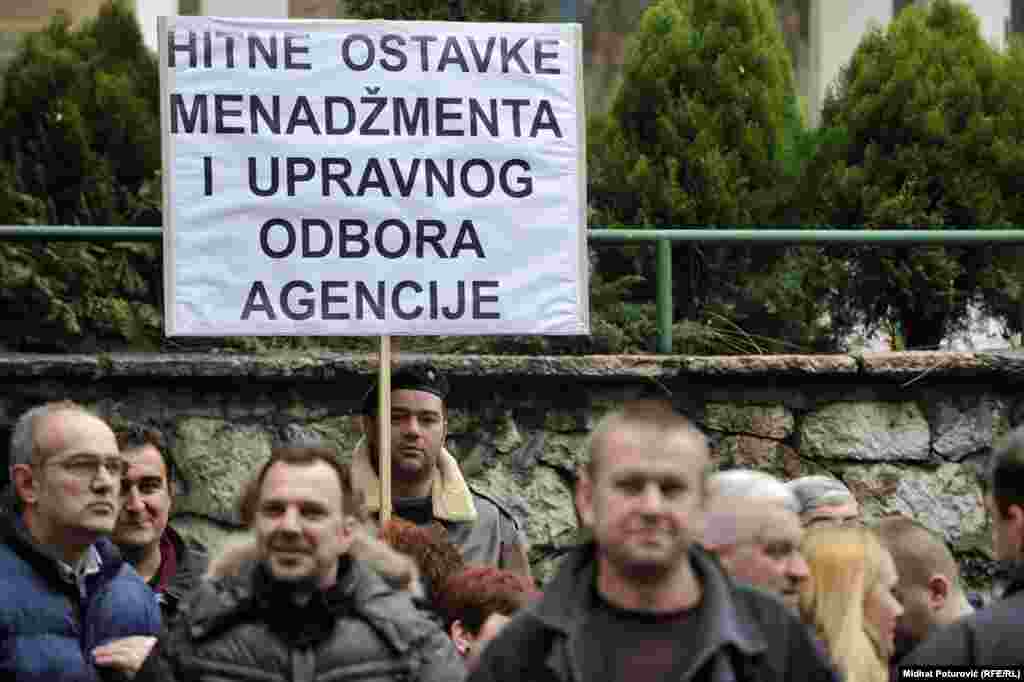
(192, 562)
(246, 627)
(751, 636)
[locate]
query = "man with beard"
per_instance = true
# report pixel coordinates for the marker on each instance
(642, 601)
(426, 482)
(70, 607)
(170, 565)
(991, 637)
(304, 609)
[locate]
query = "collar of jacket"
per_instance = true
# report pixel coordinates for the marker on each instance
(450, 495)
(569, 598)
(1014, 572)
(359, 591)
(43, 560)
(192, 561)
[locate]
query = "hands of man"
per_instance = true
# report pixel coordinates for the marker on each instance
(125, 655)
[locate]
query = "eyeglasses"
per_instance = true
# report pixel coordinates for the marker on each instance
(87, 467)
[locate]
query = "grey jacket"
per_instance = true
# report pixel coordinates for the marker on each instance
(751, 635)
(245, 627)
(494, 538)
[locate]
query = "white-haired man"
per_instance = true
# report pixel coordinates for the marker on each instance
(753, 528)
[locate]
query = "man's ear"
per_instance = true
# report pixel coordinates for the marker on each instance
(25, 482)
(461, 637)
(369, 427)
(939, 590)
(347, 530)
(1014, 521)
(585, 498)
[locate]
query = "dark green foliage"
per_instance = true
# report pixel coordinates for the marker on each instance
(80, 119)
(932, 122)
(80, 145)
(702, 131)
(702, 102)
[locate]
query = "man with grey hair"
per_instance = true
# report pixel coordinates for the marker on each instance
(824, 499)
(69, 605)
(750, 484)
(753, 528)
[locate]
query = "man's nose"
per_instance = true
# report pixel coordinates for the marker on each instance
(411, 426)
(104, 480)
(798, 567)
(651, 499)
(290, 520)
(133, 500)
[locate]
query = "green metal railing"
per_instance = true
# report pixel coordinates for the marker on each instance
(627, 233)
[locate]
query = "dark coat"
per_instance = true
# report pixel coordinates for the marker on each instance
(750, 635)
(245, 627)
(192, 560)
(990, 637)
(47, 629)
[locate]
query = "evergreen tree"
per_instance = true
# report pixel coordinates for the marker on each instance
(80, 145)
(701, 132)
(932, 120)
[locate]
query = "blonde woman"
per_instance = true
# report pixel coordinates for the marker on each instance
(848, 599)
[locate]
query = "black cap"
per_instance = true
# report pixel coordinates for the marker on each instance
(411, 378)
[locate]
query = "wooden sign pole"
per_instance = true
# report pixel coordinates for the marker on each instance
(384, 428)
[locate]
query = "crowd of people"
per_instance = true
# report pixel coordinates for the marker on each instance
(687, 574)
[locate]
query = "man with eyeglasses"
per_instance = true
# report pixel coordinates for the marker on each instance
(70, 607)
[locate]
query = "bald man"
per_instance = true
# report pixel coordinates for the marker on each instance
(71, 608)
(929, 581)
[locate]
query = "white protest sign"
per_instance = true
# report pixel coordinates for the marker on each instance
(372, 178)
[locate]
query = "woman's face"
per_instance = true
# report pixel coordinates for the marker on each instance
(881, 608)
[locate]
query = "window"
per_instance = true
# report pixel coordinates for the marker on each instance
(1016, 16)
(898, 5)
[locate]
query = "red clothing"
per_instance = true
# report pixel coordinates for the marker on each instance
(168, 565)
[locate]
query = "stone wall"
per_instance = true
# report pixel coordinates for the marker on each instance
(907, 432)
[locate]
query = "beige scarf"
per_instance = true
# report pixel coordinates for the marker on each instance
(451, 498)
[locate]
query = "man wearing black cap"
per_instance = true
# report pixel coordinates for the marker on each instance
(426, 482)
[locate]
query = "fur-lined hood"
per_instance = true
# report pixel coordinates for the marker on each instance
(397, 569)
(450, 494)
